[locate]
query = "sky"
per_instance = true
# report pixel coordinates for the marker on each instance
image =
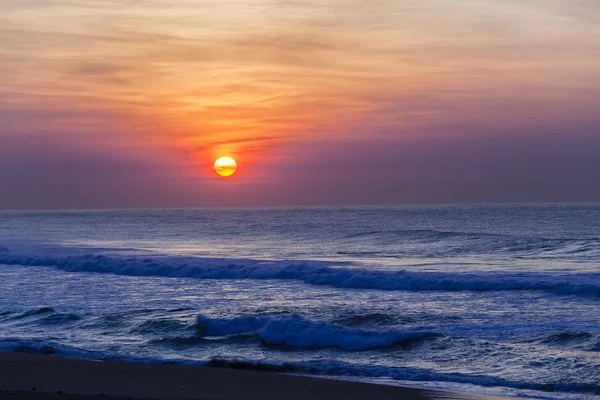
(123, 103)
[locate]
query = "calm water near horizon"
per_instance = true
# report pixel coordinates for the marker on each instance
(501, 299)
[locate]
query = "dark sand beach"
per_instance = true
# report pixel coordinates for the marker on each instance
(43, 377)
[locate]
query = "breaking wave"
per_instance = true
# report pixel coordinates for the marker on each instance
(294, 331)
(335, 274)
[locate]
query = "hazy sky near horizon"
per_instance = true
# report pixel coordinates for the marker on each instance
(123, 103)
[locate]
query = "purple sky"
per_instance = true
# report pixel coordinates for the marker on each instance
(117, 104)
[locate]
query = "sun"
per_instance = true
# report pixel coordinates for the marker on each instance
(225, 166)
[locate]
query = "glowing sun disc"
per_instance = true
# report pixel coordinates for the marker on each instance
(225, 166)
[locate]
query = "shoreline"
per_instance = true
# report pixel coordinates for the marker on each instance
(51, 377)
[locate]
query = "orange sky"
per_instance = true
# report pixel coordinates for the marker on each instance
(188, 81)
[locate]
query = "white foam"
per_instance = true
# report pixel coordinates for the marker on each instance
(339, 275)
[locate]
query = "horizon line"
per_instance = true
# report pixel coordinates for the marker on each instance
(340, 206)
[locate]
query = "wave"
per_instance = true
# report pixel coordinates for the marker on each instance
(339, 275)
(294, 331)
(181, 341)
(278, 329)
(39, 311)
(118, 321)
(157, 326)
(565, 337)
(59, 319)
(439, 243)
(33, 346)
(370, 320)
(417, 234)
(353, 333)
(324, 368)
(578, 340)
(40, 316)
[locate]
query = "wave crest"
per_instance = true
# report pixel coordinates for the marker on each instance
(294, 331)
(339, 275)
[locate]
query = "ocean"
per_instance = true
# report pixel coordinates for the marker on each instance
(491, 299)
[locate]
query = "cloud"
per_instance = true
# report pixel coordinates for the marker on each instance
(358, 95)
(104, 72)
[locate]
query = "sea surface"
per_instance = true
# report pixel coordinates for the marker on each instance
(488, 299)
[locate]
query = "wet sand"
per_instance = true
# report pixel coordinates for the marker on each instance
(45, 377)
